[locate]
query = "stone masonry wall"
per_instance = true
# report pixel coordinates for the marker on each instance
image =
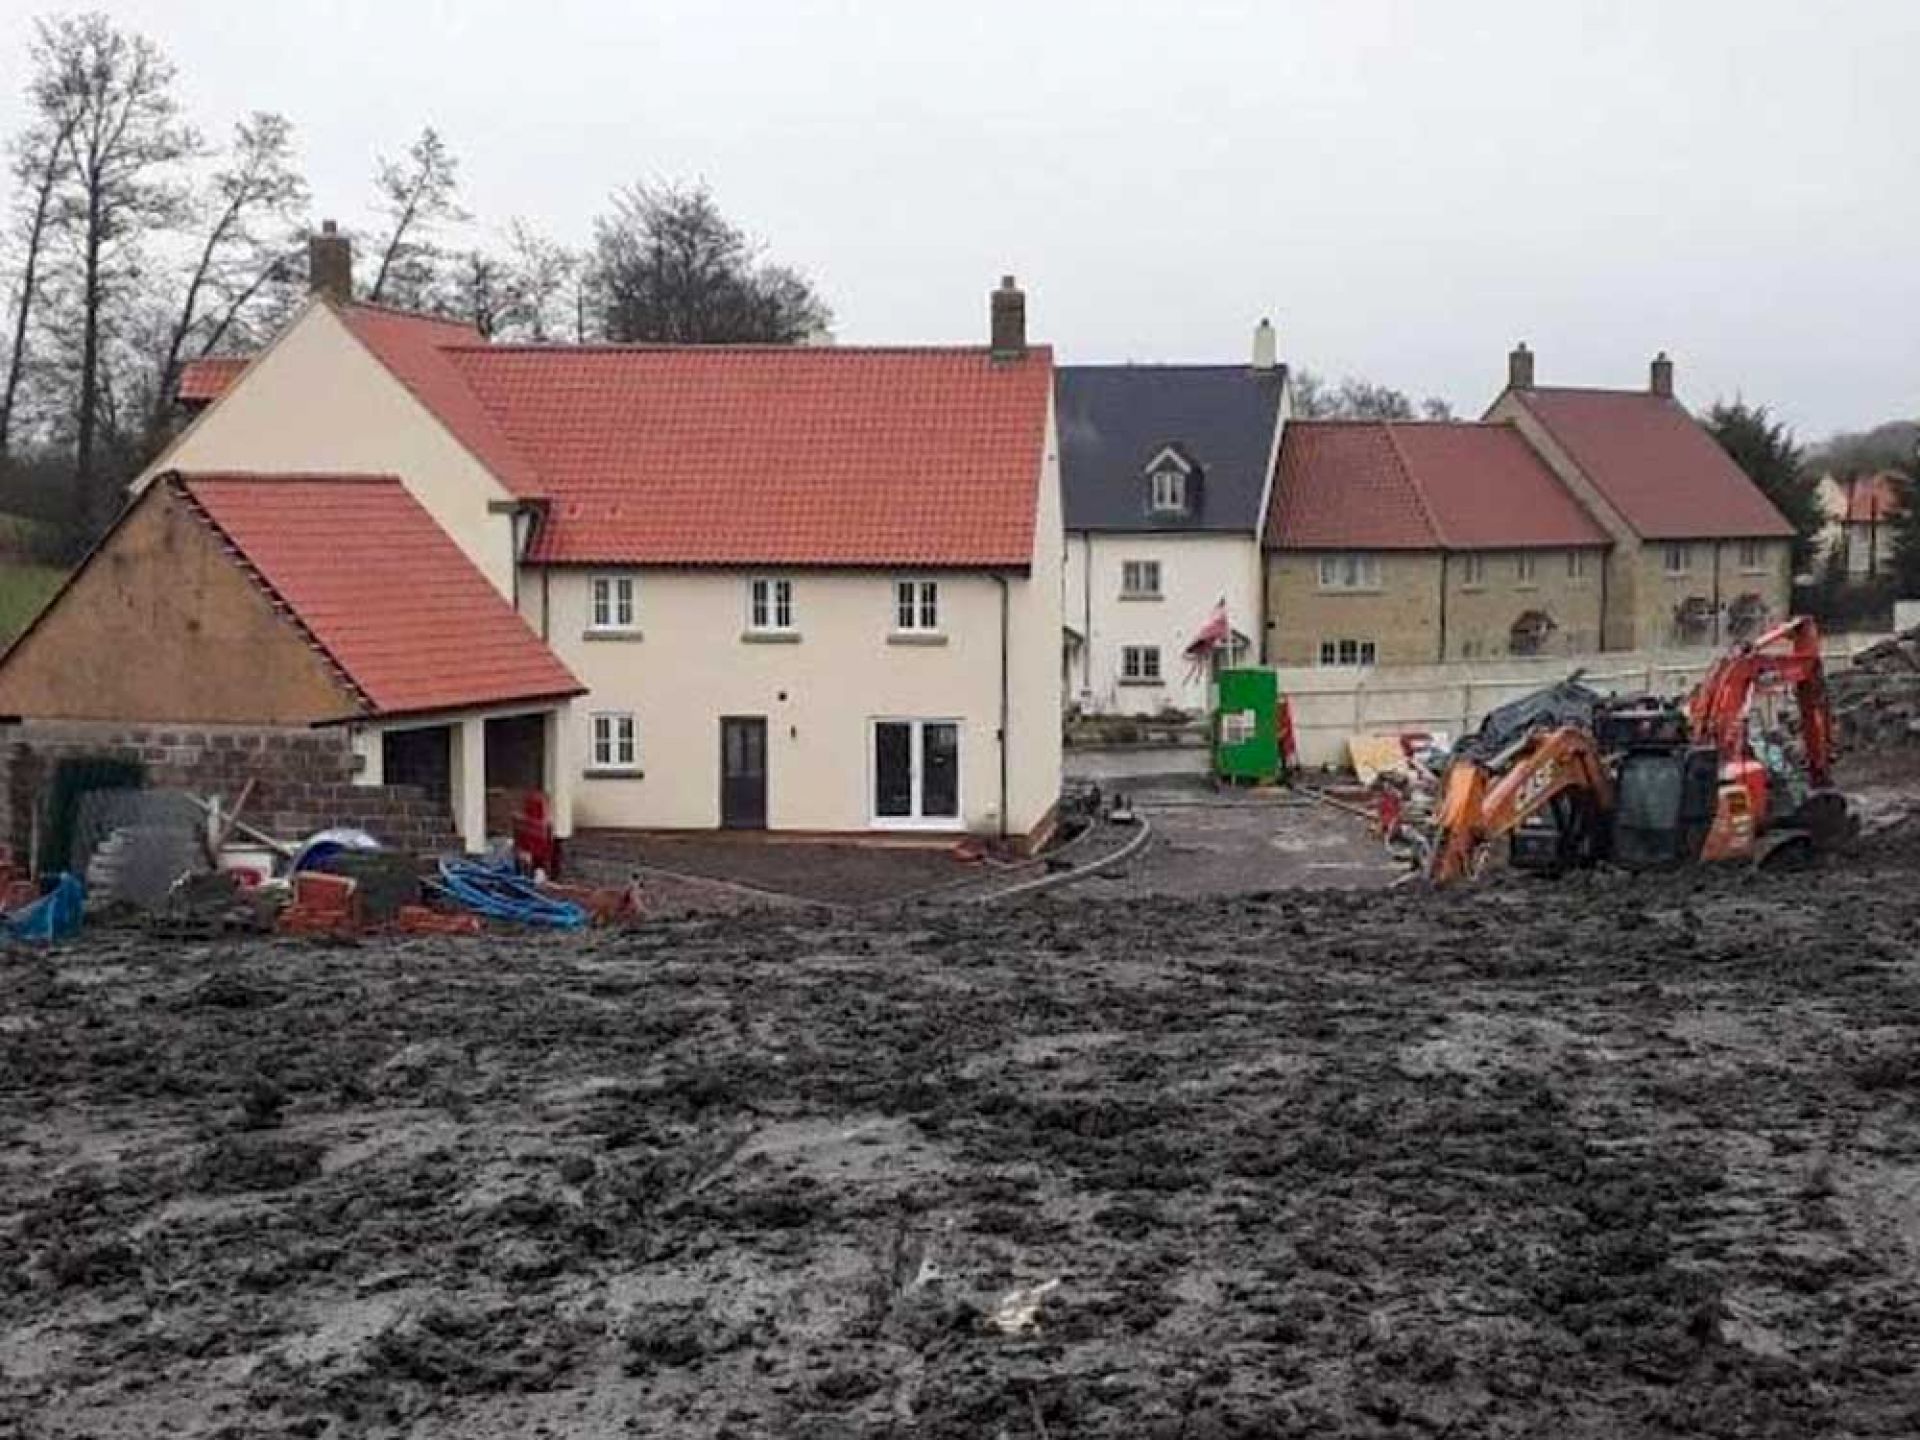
(303, 778)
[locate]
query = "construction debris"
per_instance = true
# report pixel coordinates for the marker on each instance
(1876, 700)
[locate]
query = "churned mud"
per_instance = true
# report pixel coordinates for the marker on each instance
(1607, 1157)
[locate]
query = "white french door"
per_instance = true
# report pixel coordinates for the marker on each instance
(916, 773)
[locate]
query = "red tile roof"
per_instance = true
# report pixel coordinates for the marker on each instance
(732, 455)
(207, 379)
(740, 455)
(1653, 462)
(382, 589)
(1871, 498)
(1381, 485)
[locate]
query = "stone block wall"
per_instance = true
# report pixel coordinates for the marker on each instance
(303, 778)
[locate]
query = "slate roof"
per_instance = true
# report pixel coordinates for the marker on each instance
(1386, 485)
(1113, 419)
(1655, 464)
(773, 455)
(382, 589)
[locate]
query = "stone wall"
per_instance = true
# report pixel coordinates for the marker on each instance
(303, 778)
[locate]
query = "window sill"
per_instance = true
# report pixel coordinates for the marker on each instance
(1360, 589)
(616, 774)
(939, 823)
(1141, 595)
(916, 637)
(1144, 684)
(627, 636)
(769, 637)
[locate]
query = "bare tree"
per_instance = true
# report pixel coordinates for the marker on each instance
(251, 212)
(1358, 399)
(110, 94)
(38, 157)
(418, 195)
(543, 273)
(668, 267)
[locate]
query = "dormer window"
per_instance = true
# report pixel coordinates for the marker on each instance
(1172, 483)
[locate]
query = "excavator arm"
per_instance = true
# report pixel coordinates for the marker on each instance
(1787, 655)
(1480, 802)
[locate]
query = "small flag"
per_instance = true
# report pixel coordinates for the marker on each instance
(1212, 635)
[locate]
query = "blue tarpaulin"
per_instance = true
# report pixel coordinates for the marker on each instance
(54, 916)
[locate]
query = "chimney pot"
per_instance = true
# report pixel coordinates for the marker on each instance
(1520, 367)
(1660, 376)
(1266, 354)
(1009, 321)
(330, 264)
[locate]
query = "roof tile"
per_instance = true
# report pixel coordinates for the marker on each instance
(1381, 485)
(773, 455)
(1668, 477)
(383, 589)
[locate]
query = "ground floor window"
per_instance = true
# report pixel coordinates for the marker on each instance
(1346, 652)
(916, 770)
(614, 743)
(1140, 663)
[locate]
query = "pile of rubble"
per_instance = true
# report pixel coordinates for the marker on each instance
(1876, 700)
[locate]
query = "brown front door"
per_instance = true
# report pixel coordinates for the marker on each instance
(743, 772)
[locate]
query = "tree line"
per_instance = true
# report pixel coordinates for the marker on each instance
(134, 244)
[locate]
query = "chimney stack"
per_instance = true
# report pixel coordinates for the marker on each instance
(1009, 314)
(1520, 367)
(1265, 348)
(330, 264)
(1661, 376)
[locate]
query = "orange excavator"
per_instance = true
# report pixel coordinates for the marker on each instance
(1574, 779)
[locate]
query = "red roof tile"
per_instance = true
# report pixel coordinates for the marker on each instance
(382, 589)
(207, 379)
(1379, 485)
(1872, 498)
(1653, 462)
(773, 455)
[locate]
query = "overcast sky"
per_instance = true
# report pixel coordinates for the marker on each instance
(1406, 188)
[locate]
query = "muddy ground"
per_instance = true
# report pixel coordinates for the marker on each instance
(1610, 1157)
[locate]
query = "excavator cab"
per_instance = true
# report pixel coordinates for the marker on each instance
(1665, 799)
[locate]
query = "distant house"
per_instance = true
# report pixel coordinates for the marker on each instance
(1164, 471)
(1861, 511)
(1410, 543)
(802, 589)
(1699, 555)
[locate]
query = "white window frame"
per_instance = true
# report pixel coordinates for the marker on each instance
(1526, 568)
(1753, 557)
(1473, 573)
(1576, 564)
(918, 761)
(1357, 571)
(1347, 652)
(1136, 570)
(916, 606)
(770, 605)
(1147, 671)
(1682, 552)
(609, 733)
(1169, 491)
(620, 592)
